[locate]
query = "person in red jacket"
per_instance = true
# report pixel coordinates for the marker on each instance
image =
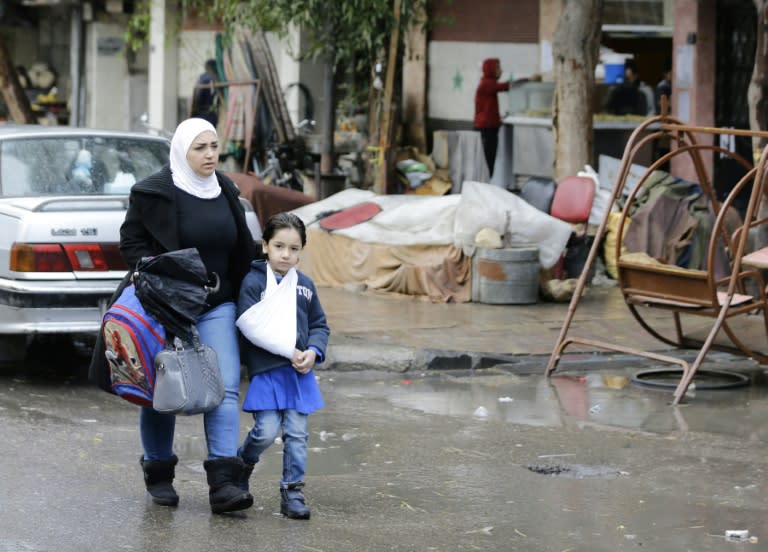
(487, 117)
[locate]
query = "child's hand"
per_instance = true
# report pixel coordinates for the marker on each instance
(303, 361)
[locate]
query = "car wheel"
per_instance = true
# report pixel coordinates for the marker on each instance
(13, 348)
(58, 354)
(54, 348)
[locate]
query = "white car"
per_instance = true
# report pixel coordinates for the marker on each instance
(63, 196)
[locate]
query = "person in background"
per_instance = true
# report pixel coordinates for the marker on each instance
(205, 97)
(189, 204)
(487, 116)
(82, 177)
(632, 96)
(664, 86)
(286, 334)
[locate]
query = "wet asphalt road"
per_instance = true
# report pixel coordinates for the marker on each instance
(419, 461)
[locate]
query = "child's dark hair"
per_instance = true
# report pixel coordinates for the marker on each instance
(284, 220)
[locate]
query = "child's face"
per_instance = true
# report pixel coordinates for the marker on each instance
(283, 250)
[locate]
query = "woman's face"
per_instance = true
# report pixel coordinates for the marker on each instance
(203, 153)
(283, 249)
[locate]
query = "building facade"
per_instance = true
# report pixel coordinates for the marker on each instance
(98, 83)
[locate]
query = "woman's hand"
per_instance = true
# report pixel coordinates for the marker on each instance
(303, 361)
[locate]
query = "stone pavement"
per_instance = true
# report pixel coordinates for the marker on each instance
(373, 330)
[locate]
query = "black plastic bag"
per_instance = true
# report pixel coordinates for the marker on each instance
(173, 288)
(576, 253)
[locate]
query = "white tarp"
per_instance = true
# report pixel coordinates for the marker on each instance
(451, 219)
(487, 206)
(404, 219)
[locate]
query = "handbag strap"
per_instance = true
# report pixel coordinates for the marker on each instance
(196, 343)
(210, 289)
(178, 344)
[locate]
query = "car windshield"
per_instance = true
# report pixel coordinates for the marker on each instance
(77, 165)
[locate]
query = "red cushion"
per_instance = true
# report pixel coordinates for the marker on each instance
(350, 216)
(573, 199)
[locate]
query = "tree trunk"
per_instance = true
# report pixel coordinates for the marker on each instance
(415, 85)
(19, 110)
(575, 49)
(380, 185)
(756, 93)
(329, 118)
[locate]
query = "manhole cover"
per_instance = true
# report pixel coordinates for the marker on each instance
(703, 379)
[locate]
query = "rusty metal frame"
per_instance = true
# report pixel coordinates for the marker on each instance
(682, 142)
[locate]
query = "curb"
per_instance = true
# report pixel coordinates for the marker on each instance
(348, 357)
(396, 358)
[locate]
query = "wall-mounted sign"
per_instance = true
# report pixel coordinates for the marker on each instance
(109, 45)
(684, 54)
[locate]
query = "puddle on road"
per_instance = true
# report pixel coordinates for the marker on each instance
(606, 398)
(599, 398)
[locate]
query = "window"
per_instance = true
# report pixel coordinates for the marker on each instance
(77, 165)
(638, 12)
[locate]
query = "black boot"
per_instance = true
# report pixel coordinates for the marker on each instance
(245, 476)
(158, 476)
(224, 479)
(293, 503)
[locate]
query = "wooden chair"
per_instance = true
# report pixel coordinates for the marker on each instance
(647, 283)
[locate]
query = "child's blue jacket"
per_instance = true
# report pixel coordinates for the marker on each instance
(311, 326)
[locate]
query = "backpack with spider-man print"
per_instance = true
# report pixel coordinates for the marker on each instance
(132, 339)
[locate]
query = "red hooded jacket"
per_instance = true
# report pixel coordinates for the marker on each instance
(486, 101)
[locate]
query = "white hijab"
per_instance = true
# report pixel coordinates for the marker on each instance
(183, 175)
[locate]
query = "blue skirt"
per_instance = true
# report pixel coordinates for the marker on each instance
(282, 389)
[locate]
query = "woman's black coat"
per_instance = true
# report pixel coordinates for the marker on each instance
(151, 228)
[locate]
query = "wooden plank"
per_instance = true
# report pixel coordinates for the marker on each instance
(267, 70)
(269, 63)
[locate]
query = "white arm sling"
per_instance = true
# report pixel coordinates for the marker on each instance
(271, 323)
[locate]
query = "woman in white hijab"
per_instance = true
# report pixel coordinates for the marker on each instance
(190, 204)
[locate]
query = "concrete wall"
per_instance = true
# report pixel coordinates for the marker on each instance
(107, 83)
(455, 69)
(693, 77)
(463, 36)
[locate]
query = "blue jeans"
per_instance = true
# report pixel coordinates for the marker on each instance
(222, 425)
(266, 429)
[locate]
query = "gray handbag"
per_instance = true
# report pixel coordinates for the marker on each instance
(187, 378)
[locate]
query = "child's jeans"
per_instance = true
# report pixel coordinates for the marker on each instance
(266, 429)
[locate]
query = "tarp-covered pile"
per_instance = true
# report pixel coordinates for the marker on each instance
(422, 245)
